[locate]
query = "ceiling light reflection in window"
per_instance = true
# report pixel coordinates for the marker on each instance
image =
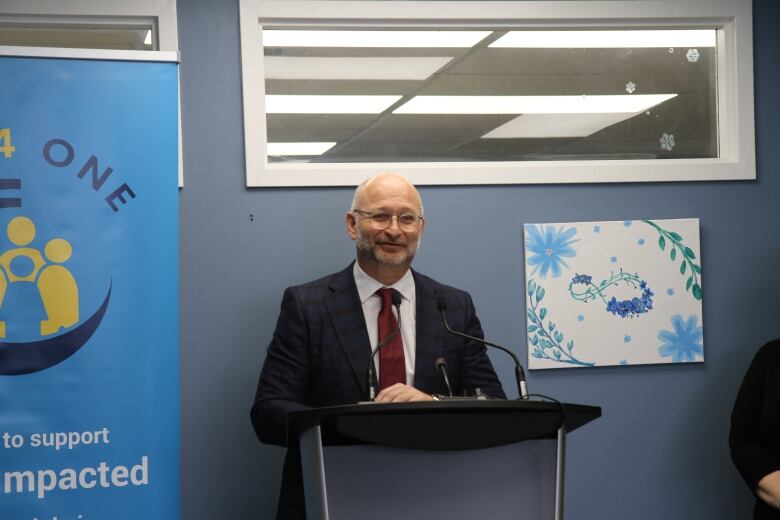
(597, 104)
(316, 104)
(615, 39)
(361, 38)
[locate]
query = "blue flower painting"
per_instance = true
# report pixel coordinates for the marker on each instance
(684, 343)
(548, 246)
(602, 294)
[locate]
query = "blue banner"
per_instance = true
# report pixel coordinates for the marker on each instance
(89, 417)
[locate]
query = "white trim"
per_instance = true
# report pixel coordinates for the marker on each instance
(593, 12)
(525, 172)
(253, 86)
(733, 18)
(163, 10)
(89, 54)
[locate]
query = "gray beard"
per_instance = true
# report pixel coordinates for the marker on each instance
(364, 245)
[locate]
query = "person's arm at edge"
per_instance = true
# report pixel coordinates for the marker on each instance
(754, 461)
(768, 489)
(284, 379)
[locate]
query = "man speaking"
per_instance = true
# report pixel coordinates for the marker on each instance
(378, 311)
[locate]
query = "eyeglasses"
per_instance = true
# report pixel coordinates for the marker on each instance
(382, 220)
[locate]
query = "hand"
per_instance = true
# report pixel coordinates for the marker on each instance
(768, 489)
(401, 393)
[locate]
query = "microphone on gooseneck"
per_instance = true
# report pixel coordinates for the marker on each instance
(372, 383)
(441, 304)
(441, 364)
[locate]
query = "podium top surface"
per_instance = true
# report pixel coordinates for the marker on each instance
(441, 425)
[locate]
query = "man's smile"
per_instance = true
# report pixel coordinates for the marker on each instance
(391, 245)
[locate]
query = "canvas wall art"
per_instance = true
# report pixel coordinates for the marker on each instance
(613, 293)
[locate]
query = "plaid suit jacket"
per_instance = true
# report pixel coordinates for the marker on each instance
(320, 351)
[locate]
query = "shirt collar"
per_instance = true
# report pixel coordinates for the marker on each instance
(368, 286)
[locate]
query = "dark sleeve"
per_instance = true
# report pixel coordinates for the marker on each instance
(749, 432)
(477, 370)
(284, 379)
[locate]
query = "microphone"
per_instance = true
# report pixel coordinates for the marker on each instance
(396, 298)
(441, 364)
(441, 304)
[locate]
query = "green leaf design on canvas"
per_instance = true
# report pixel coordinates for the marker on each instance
(546, 342)
(693, 282)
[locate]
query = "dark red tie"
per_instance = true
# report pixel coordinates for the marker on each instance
(392, 368)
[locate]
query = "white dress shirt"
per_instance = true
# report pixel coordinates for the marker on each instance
(372, 302)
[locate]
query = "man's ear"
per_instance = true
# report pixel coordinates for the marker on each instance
(351, 225)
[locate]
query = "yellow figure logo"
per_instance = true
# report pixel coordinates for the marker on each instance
(56, 285)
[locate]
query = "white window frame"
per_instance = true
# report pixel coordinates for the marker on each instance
(160, 13)
(736, 135)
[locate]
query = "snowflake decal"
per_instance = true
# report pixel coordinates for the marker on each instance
(692, 55)
(667, 142)
(630, 87)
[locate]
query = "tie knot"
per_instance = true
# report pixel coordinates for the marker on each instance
(387, 297)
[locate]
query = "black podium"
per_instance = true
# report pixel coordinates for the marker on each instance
(443, 459)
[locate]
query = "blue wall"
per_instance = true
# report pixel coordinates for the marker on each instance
(660, 449)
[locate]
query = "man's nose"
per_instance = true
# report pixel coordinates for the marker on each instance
(393, 227)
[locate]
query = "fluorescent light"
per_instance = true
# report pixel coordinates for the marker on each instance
(556, 125)
(278, 149)
(607, 39)
(322, 38)
(148, 39)
(317, 104)
(531, 104)
(284, 67)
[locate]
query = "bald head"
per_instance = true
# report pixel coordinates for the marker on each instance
(385, 185)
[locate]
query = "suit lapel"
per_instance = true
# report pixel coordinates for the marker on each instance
(429, 335)
(349, 324)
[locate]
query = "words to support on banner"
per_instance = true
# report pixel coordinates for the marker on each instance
(43, 481)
